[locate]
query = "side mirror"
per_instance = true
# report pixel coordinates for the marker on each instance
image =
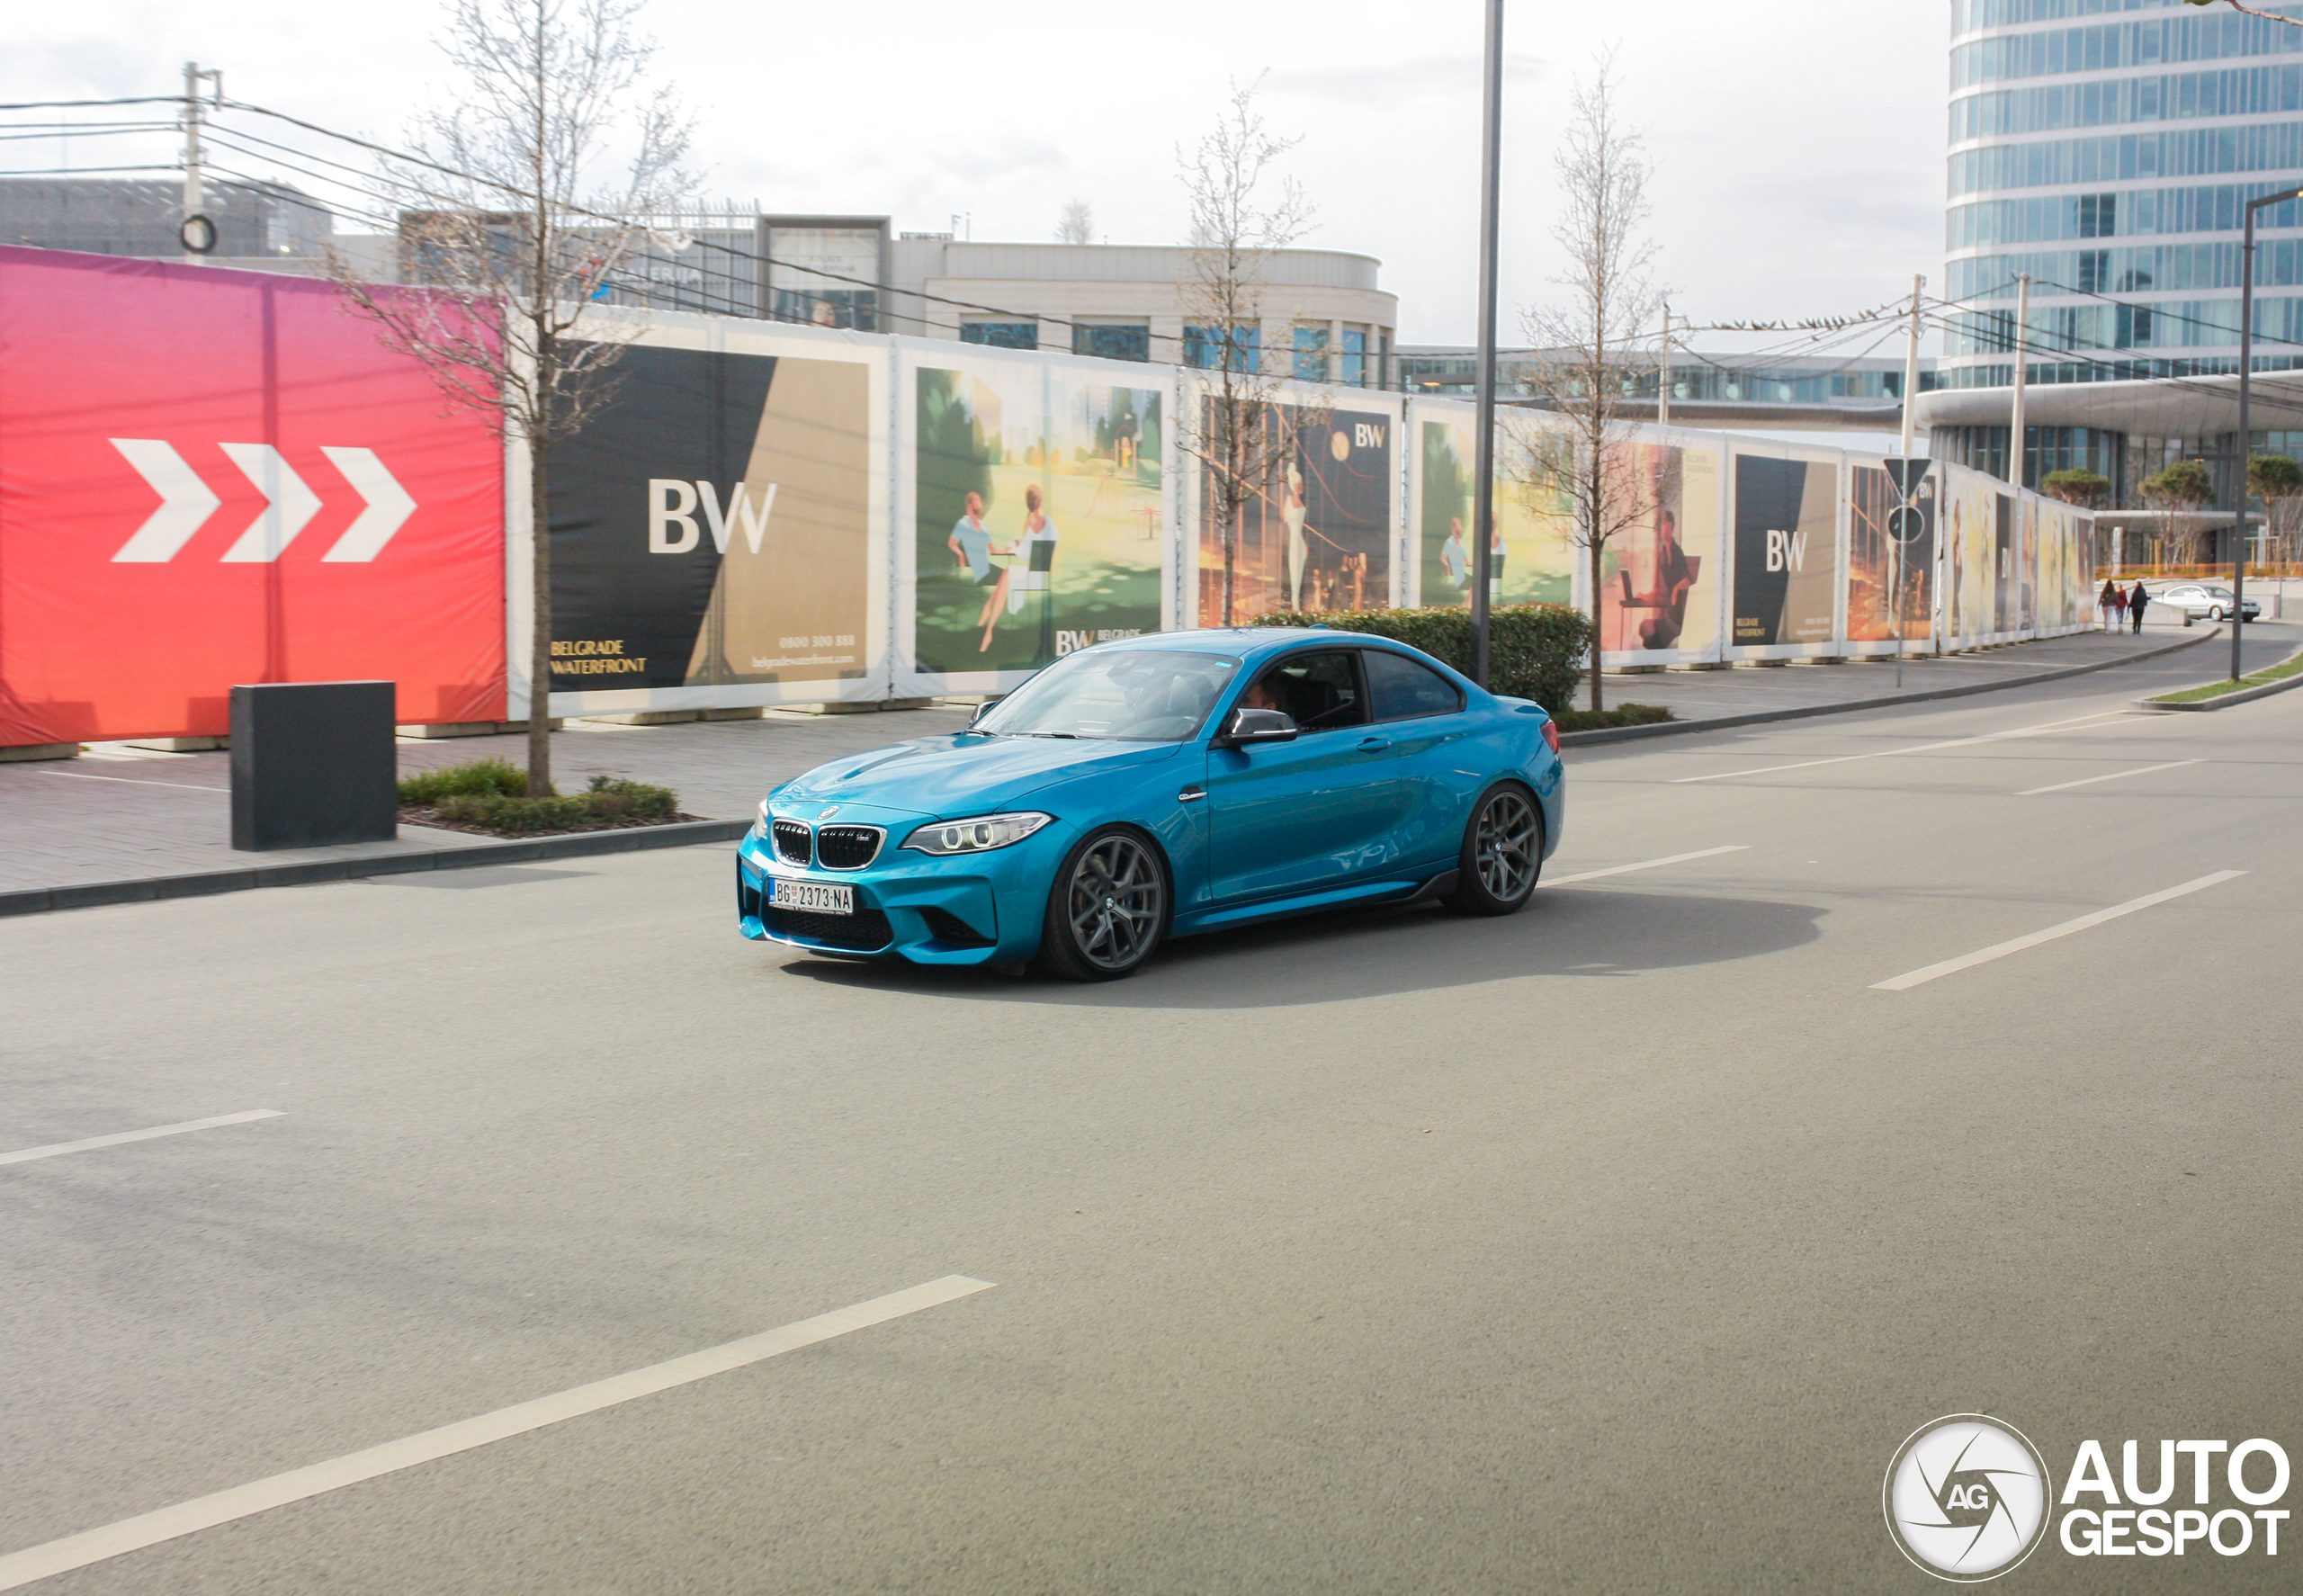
(1248, 726)
(982, 710)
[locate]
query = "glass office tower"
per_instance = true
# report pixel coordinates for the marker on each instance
(2105, 147)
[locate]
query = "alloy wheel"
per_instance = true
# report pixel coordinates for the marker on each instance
(1503, 850)
(1116, 901)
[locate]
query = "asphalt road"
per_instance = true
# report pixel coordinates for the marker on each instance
(1614, 1247)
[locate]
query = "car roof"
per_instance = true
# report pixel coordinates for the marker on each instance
(1248, 642)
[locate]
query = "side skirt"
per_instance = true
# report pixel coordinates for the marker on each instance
(1372, 892)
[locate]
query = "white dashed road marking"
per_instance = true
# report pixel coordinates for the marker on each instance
(203, 1512)
(54, 1149)
(2002, 949)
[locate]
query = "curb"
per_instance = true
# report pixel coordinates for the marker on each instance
(2244, 695)
(205, 883)
(1808, 711)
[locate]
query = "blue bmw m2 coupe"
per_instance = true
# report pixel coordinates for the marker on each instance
(1156, 787)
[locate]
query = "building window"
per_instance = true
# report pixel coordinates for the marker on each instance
(1311, 352)
(1114, 340)
(1354, 356)
(855, 309)
(1001, 335)
(1208, 347)
(2099, 215)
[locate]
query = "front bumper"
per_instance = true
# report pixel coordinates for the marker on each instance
(970, 908)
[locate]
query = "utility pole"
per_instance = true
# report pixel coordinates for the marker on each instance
(197, 231)
(1663, 373)
(1491, 200)
(1909, 435)
(2015, 421)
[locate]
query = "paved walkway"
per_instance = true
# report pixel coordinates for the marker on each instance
(117, 814)
(1746, 689)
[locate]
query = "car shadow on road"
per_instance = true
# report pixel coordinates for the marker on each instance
(1597, 934)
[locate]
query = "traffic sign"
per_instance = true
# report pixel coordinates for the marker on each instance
(1907, 475)
(1907, 525)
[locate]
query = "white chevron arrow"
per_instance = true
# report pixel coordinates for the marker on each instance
(185, 502)
(389, 504)
(289, 505)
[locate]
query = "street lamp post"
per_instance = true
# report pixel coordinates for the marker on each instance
(2246, 436)
(1490, 197)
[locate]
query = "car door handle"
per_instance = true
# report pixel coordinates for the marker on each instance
(1373, 745)
(1191, 794)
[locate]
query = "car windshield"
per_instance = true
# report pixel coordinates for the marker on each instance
(1125, 694)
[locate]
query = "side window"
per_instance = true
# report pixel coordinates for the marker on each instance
(1319, 692)
(1400, 689)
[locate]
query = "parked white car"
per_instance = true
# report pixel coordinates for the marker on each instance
(2198, 599)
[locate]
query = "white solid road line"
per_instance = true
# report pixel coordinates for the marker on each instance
(1561, 880)
(129, 1535)
(2089, 781)
(2001, 950)
(130, 781)
(55, 1149)
(1924, 748)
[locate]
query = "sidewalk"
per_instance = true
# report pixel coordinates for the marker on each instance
(1698, 695)
(117, 813)
(88, 828)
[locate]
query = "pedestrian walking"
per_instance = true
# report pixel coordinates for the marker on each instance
(2114, 604)
(2135, 601)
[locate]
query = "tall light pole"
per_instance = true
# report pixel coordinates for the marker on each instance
(1490, 198)
(2246, 436)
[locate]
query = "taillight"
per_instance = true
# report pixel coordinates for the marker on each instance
(1551, 733)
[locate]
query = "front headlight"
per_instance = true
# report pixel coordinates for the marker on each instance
(759, 825)
(974, 835)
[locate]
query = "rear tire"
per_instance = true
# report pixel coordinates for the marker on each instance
(2216, 613)
(1502, 854)
(1107, 909)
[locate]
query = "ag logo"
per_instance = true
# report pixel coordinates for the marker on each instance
(1966, 1498)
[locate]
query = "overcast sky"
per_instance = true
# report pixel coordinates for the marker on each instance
(1799, 143)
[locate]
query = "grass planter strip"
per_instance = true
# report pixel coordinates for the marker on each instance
(490, 798)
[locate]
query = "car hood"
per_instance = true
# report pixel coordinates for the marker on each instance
(944, 777)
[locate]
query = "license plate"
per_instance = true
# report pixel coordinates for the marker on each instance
(822, 897)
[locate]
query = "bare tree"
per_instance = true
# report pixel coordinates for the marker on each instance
(2179, 493)
(1077, 223)
(521, 204)
(1611, 303)
(1240, 434)
(2269, 16)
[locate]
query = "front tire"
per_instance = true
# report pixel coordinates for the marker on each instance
(1502, 853)
(1107, 909)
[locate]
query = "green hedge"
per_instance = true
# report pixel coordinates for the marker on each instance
(1535, 650)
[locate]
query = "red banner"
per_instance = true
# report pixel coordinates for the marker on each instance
(210, 476)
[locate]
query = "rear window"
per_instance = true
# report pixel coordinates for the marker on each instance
(1400, 689)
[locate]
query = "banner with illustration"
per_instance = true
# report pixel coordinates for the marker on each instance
(1531, 559)
(718, 526)
(1785, 598)
(1970, 514)
(1035, 496)
(1317, 529)
(1890, 581)
(1661, 574)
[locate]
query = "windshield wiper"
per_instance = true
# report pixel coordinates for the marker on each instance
(1067, 736)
